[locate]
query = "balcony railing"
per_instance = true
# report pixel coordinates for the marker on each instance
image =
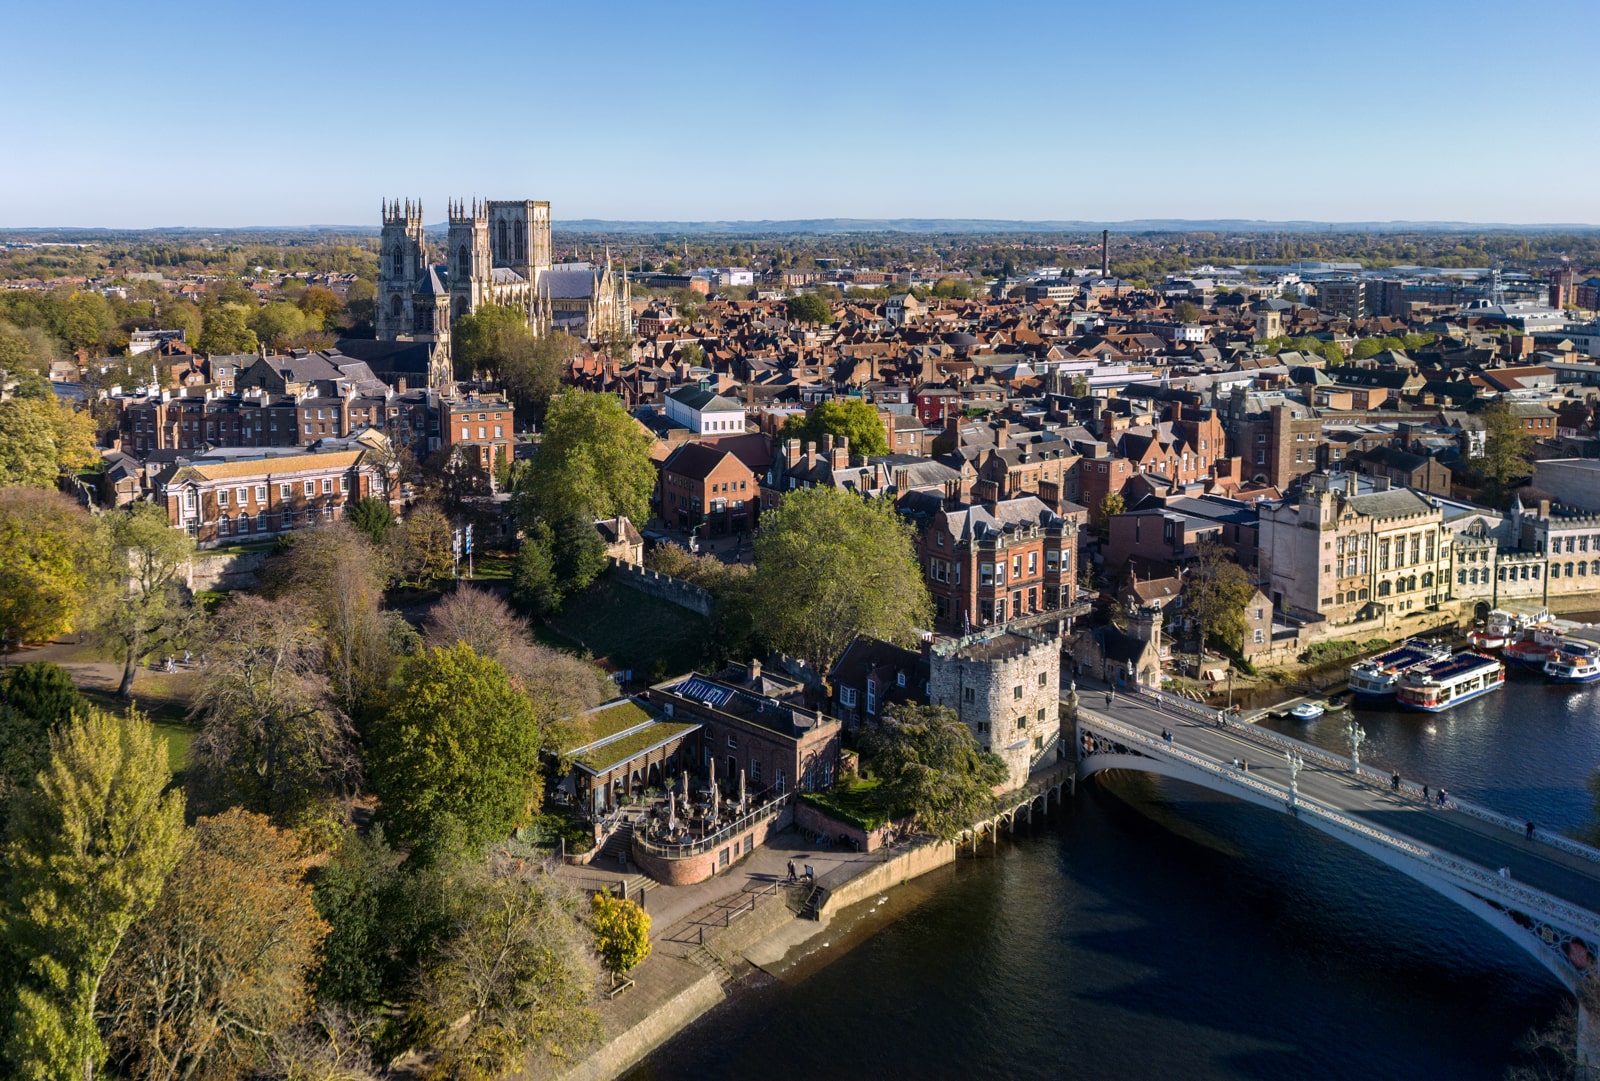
(720, 837)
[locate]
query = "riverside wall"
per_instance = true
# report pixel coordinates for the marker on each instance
(649, 1032)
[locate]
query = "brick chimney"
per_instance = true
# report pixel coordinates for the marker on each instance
(811, 454)
(841, 453)
(755, 671)
(1002, 434)
(791, 452)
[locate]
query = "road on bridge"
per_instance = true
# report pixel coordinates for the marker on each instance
(1565, 875)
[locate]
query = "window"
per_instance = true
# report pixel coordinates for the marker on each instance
(222, 497)
(1042, 678)
(1016, 692)
(261, 493)
(310, 488)
(224, 526)
(968, 695)
(733, 743)
(847, 696)
(285, 491)
(1258, 636)
(755, 770)
(344, 484)
(466, 434)
(481, 432)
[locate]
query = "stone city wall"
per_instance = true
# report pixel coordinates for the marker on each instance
(662, 586)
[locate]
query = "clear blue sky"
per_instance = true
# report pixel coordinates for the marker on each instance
(185, 113)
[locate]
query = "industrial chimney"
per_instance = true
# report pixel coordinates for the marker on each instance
(1105, 253)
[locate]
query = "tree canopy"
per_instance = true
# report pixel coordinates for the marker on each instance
(1215, 592)
(41, 438)
(148, 606)
(1507, 453)
(831, 565)
(594, 460)
(455, 757)
(848, 418)
(50, 555)
(621, 932)
(932, 768)
(497, 341)
(90, 844)
(808, 308)
(35, 699)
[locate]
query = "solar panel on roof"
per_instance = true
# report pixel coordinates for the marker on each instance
(698, 689)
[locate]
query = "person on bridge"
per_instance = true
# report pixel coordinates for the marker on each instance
(1425, 796)
(1394, 780)
(1529, 831)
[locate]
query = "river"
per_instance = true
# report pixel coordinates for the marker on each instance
(1154, 929)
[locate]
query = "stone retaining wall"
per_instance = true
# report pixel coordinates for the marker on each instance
(661, 586)
(813, 820)
(902, 868)
(650, 1032)
(718, 860)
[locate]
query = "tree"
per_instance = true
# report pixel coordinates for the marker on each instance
(372, 516)
(1215, 592)
(455, 757)
(831, 565)
(279, 324)
(90, 845)
(516, 976)
(352, 893)
(218, 967)
(425, 545)
(558, 683)
(534, 585)
(1080, 386)
(273, 740)
(1185, 312)
(932, 769)
(148, 607)
(227, 330)
(594, 461)
(1110, 506)
(49, 555)
(1507, 452)
(808, 308)
(850, 418)
(621, 932)
(35, 700)
(40, 438)
(322, 307)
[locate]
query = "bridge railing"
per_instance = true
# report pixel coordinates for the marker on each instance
(1480, 880)
(1311, 752)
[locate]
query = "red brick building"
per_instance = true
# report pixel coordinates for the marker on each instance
(988, 563)
(482, 427)
(706, 485)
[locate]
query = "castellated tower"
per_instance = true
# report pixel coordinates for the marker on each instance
(401, 261)
(469, 257)
(519, 235)
(1006, 687)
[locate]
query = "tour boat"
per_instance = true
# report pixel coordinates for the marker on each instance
(1498, 631)
(1574, 662)
(1438, 686)
(1307, 711)
(1376, 677)
(1535, 645)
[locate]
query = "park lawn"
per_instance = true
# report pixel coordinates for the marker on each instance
(168, 716)
(855, 801)
(633, 631)
(491, 566)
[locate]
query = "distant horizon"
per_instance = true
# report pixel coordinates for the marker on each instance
(910, 225)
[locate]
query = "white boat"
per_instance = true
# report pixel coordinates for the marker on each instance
(1377, 677)
(1498, 631)
(1307, 711)
(1574, 662)
(1438, 686)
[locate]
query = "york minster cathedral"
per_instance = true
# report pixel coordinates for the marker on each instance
(496, 252)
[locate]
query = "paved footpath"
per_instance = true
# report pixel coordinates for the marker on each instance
(1565, 875)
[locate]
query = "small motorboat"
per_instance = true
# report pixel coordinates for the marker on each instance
(1307, 711)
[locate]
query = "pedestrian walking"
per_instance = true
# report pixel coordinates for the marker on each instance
(1394, 780)
(1108, 699)
(1442, 797)
(1529, 831)
(791, 870)
(1425, 796)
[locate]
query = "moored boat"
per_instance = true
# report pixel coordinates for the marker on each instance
(1376, 677)
(1535, 645)
(1438, 686)
(1499, 630)
(1574, 662)
(1307, 711)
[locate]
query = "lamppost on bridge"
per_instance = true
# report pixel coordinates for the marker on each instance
(1296, 764)
(1357, 736)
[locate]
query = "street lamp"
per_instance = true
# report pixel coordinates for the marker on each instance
(1296, 764)
(1357, 736)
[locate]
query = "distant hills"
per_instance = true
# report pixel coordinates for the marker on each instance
(830, 226)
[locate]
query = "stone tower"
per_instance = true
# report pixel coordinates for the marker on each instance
(1006, 687)
(468, 257)
(519, 236)
(401, 261)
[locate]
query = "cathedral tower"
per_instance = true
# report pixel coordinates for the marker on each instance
(401, 261)
(519, 231)
(468, 257)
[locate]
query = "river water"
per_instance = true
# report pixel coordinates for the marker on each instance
(1156, 930)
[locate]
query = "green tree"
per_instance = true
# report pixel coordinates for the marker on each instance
(354, 894)
(932, 769)
(90, 845)
(455, 757)
(425, 541)
(35, 700)
(322, 307)
(515, 977)
(227, 330)
(477, 338)
(1110, 506)
(1185, 312)
(278, 325)
(621, 932)
(1507, 453)
(831, 565)
(594, 460)
(808, 308)
(534, 586)
(208, 977)
(373, 517)
(1366, 348)
(147, 606)
(953, 288)
(848, 418)
(40, 438)
(1215, 592)
(49, 556)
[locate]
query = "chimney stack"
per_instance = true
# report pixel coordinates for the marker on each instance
(1105, 253)
(755, 671)
(811, 454)
(841, 452)
(791, 452)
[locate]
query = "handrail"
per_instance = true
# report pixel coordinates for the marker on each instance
(705, 844)
(1378, 778)
(1480, 878)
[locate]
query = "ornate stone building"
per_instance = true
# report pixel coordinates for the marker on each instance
(496, 252)
(1005, 685)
